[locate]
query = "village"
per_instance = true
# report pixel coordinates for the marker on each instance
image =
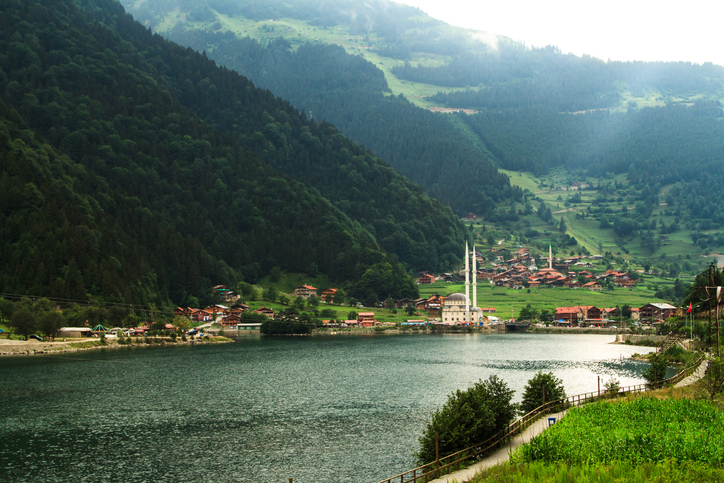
(516, 272)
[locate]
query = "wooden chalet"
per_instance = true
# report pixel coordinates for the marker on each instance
(402, 303)
(230, 320)
(434, 304)
(591, 312)
(593, 286)
(328, 295)
(419, 304)
(568, 315)
(226, 294)
(304, 291)
(426, 279)
(572, 283)
(366, 319)
(266, 311)
(626, 283)
(656, 311)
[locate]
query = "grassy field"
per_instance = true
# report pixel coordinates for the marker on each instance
(677, 246)
(641, 430)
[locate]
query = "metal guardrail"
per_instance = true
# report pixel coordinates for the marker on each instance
(454, 461)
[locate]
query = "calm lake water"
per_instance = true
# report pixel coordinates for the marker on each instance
(316, 409)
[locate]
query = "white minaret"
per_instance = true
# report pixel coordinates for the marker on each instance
(475, 281)
(550, 257)
(467, 283)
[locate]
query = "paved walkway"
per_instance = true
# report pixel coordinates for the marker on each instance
(500, 455)
(695, 376)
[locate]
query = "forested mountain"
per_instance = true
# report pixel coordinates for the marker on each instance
(545, 77)
(348, 91)
(135, 170)
(656, 122)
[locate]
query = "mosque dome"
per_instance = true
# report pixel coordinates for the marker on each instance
(455, 298)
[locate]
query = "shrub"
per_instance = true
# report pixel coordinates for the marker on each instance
(467, 418)
(541, 386)
(612, 386)
(656, 371)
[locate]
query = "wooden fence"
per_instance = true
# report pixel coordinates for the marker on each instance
(465, 457)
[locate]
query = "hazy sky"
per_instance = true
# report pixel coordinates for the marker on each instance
(616, 29)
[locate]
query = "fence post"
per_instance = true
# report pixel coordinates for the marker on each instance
(437, 455)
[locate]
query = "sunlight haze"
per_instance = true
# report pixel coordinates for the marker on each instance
(615, 30)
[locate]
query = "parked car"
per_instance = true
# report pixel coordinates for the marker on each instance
(192, 332)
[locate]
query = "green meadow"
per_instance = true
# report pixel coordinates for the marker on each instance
(564, 204)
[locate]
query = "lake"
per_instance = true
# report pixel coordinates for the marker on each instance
(316, 409)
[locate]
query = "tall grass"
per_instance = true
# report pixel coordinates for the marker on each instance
(668, 471)
(646, 430)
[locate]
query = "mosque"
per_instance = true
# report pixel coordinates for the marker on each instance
(457, 308)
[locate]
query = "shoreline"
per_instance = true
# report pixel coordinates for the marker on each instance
(33, 347)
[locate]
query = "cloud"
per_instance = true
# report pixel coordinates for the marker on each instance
(489, 39)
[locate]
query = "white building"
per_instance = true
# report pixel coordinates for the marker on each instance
(457, 308)
(455, 311)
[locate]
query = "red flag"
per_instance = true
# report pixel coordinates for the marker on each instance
(690, 309)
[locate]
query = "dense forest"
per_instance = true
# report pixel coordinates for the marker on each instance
(135, 170)
(349, 92)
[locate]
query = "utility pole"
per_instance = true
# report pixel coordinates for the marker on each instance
(717, 294)
(711, 282)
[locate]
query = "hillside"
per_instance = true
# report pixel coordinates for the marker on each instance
(369, 67)
(141, 168)
(319, 76)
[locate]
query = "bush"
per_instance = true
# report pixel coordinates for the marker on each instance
(541, 386)
(468, 417)
(656, 371)
(612, 386)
